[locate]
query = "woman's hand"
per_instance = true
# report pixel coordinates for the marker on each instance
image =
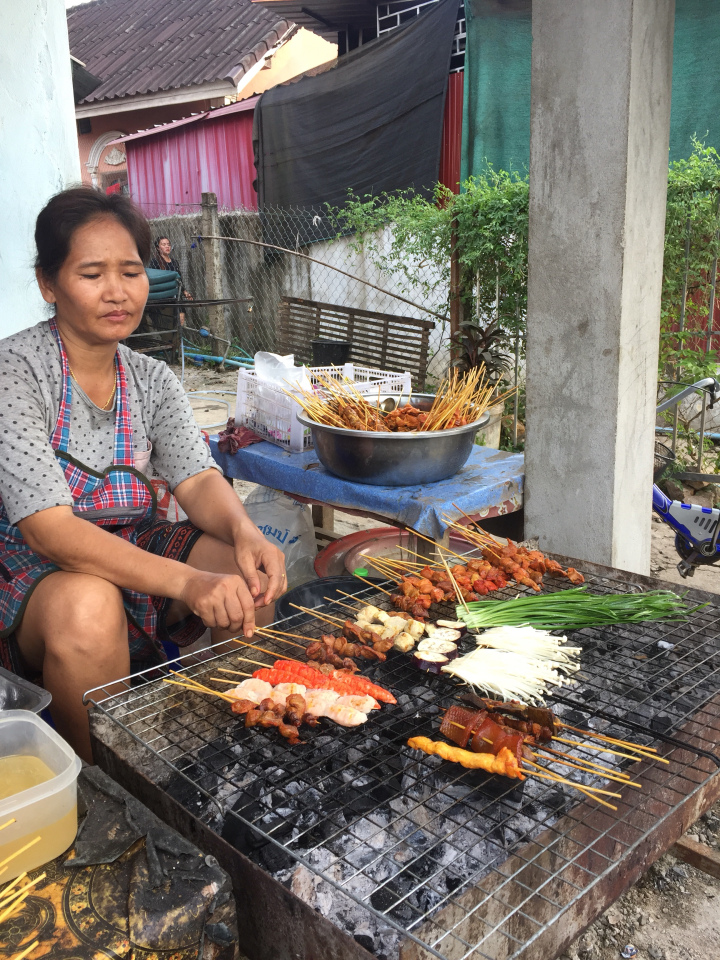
(213, 506)
(220, 600)
(253, 553)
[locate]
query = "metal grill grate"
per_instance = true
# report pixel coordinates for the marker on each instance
(401, 847)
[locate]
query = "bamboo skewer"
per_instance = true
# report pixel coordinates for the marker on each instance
(454, 583)
(190, 686)
(578, 786)
(4, 900)
(480, 531)
(582, 789)
(641, 752)
(437, 546)
(346, 605)
(592, 766)
(626, 756)
(577, 766)
(373, 585)
(602, 736)
(350, 596)
(237, 673)
(317, 614)
(282, 633)
(26, 951)
(13, 883)
(426, 561)
(264, 666)
(387, 572)
(3, 863)
(397, 562)
(271, 653)
(7, 823)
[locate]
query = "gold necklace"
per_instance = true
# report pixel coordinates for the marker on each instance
(106, 405)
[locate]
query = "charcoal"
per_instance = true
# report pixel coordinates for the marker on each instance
(402, 835)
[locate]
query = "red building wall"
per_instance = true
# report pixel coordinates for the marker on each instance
(171, 169)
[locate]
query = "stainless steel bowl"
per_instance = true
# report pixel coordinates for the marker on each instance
(394, 459)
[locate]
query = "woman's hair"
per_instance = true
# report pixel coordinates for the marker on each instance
(156, 241)
(73, 208)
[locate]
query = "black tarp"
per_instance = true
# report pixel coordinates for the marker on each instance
(370, 123)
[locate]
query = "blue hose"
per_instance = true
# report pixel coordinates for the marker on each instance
(228, 363)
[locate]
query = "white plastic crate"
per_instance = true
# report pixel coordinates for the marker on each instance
(270, 413)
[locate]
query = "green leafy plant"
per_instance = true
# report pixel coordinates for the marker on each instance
(488, 225)
(478, 344)
(692, 244)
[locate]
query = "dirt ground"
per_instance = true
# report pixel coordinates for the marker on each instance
(673, 911)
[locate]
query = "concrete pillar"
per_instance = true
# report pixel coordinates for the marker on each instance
(38, 143)
(210, 224)
(600, 119)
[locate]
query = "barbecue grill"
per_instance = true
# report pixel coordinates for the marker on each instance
(351, 845)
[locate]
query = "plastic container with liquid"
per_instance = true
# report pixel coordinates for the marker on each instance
(38, 789)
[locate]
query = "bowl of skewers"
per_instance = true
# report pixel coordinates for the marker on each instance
(422, 439)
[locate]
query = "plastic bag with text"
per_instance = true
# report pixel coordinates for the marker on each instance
(288, 525)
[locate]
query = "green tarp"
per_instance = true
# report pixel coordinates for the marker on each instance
(496, 90)
(496, 107)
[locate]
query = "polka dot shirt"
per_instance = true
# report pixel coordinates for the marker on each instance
(31, 478)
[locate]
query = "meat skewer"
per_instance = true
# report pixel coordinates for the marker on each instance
(342, 684)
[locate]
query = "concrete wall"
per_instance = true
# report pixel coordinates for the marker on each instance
(38, 143)
(601, 80)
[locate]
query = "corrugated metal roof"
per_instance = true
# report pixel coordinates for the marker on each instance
(149, 46)
(171, 127)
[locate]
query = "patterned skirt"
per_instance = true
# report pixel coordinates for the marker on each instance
(163, 539)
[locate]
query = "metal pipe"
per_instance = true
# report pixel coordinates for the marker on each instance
(516, 400)
(667, 430)
(681, 324)
(701, 438)
(296, 253)
(711, 310)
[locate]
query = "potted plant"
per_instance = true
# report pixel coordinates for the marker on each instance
(477, 344)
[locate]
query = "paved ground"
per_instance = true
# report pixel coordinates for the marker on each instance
(673, 912)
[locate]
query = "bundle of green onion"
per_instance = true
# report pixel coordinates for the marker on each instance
(575, 608)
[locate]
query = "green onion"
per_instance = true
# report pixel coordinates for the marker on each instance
(575, 608)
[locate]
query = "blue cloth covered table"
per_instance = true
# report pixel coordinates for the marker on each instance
(490, 484)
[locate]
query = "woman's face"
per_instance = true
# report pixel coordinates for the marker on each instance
(101, 288)
(164, 246)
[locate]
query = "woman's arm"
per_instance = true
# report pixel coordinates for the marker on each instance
(79, 546)
(213, 506)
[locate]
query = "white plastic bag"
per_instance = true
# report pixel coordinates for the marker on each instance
(288, 525)
(273, 368)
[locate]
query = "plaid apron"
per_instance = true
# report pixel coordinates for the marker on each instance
(118, 499)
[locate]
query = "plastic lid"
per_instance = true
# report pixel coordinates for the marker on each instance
(361, 572)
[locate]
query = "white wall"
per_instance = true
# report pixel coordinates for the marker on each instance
(38, 143)
(342, 253)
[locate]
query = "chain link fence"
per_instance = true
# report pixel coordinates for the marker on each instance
(340, 272)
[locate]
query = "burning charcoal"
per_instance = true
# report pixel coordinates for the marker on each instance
(661, 722)
(310, 797)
